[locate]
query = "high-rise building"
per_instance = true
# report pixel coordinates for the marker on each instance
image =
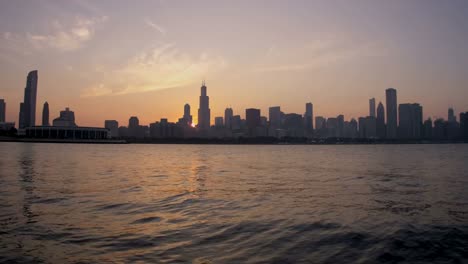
(2, 110)
(309, 117)
(29, 104)
(236, 122)
(451, 116)
(392, 112)
(410, 121)
(427, 129)
(371, 127)
(228, 114)
(113, 127)
(204, 112)
(219, 121)
(275, 117)
(252, 118)
(380, 122)
(187, 116)
(372, 107)
(66, 119)
(320, 126)
(340, 129)
(21, 122)
(45, 115)
(464, 126)
(133, 122)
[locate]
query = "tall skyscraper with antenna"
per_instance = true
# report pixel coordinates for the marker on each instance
(204, 110)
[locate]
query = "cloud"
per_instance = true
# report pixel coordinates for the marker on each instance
(160, 67)
(155, 26)
(66, 37)
(315, 54)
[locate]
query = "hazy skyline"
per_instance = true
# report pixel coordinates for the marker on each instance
(111, 60)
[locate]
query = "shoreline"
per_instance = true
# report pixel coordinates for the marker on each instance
(235, 141)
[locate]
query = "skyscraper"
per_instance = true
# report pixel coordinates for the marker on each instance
(252, 118)
(204, 110)
(309, 117)
(29, 103)
(187, 116)
(228, 113)
(392, 112)
(45, 114)
(410, 124)
(464, 126)
(2, 110)
(274, 115)
(21, 116)
(380, 121)
(219, 122)
(372, 107)
(451, 116)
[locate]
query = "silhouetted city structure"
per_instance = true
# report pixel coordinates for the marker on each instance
(66, 119)
(45, 115)
(274, 115)
(228, 114)
(372, 107)
(392, 114)
(397, 123)
(309, 118)
(410, 121)
(252, 117)
(219, 122)
(204, 112)
(2, 110)
(27, 116)
(380, 122)
(187, 118)
(464, 125)
(113, 127)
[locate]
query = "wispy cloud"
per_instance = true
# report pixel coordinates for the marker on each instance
(66, 37)
(314, 55)
(161, 67)
(155, 26)
(59, 36)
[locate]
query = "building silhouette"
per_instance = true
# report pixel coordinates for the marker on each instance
(274, 115)
(28, 108)
(2, 110)
(372, 107)
(427, 129)
(66, 119)
(309, 118)
(252, 118)
(380, 122)
(187, 116)
(45, 114)
(451, 116)
(204, 114)
(392, 112)
(219, 122)
(113, 127)
(228, 114)
(410, 121)
(464, 126)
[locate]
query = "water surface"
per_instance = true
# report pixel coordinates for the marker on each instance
(64, 203)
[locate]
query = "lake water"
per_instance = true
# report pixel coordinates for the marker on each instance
(62, 203)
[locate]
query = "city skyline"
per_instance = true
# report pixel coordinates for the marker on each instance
(252, 54)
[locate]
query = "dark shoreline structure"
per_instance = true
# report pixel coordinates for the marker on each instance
(234, 141)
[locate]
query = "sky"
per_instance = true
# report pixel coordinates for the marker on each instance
(112, 59)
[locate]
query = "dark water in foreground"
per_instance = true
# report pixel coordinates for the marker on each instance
(233, 204)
